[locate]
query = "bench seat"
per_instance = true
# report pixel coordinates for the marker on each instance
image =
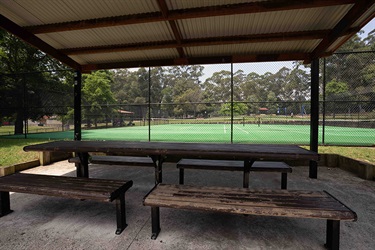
(283, 203)
(117, 160)
(230, 165)
(66, 187)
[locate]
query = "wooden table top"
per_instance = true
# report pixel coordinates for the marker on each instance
(193, 150)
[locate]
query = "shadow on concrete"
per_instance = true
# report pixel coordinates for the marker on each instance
(42, 222)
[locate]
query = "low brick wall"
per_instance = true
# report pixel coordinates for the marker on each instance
(7, 170)
(362, 169)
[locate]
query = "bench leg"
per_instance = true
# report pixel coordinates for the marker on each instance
(284, 180)
(120, 214)
(246, 172)
(246, 176)
(155, 222)
(181, 176)
(333, 235)
(4, 204)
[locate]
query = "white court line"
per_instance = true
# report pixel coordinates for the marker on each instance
(241, 129)
(225, 130)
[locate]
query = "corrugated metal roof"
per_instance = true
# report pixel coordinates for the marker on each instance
(74, 10)
(126, 56)
(91, 34)
(112, 35)
(188, 4)
(253, 49)
(261, 23)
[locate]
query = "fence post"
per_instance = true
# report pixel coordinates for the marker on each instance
(77, 105)
(231, 103)
(324, 101)
(314, 117)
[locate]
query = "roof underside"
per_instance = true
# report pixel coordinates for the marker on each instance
(95, 34)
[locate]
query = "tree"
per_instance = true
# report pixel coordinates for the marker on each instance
(97, 96)
(217, 87)
(336, 90)
(26, 86)
(238, 108)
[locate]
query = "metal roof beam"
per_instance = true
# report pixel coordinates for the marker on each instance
(33, 40)
(173, 15)
(359, 8)
(259, 38)
(176, 32)
(199, 60)
(351, 33)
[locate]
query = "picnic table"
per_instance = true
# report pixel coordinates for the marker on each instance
(164, 151)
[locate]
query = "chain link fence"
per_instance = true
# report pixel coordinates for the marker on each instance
(36, 102)
(239, 103)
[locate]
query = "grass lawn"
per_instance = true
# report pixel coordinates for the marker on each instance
(11, 151)
(366, 154)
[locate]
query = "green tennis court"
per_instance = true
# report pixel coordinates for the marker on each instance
(250, 133)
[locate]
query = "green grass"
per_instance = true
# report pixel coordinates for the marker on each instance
(366, 154)
(9, 130)
(11, 151)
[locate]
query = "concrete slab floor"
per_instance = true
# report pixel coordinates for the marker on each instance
(43, 222)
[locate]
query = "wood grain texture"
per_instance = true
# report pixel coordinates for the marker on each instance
(67, 187)
(259, 166)
(285, 203)
(183, 150)
(117, 160)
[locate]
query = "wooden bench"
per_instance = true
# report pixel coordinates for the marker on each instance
(257, 166)
(283, 203)
(66, 187)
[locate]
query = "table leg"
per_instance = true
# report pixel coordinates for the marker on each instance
(181, 179)
(83, 166)
(284, 180)
(313, 169)
(246, 172)
(158, 164)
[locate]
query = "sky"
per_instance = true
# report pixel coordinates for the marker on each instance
(263, 67)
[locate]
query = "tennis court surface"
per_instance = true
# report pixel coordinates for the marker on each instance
(225, 133)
